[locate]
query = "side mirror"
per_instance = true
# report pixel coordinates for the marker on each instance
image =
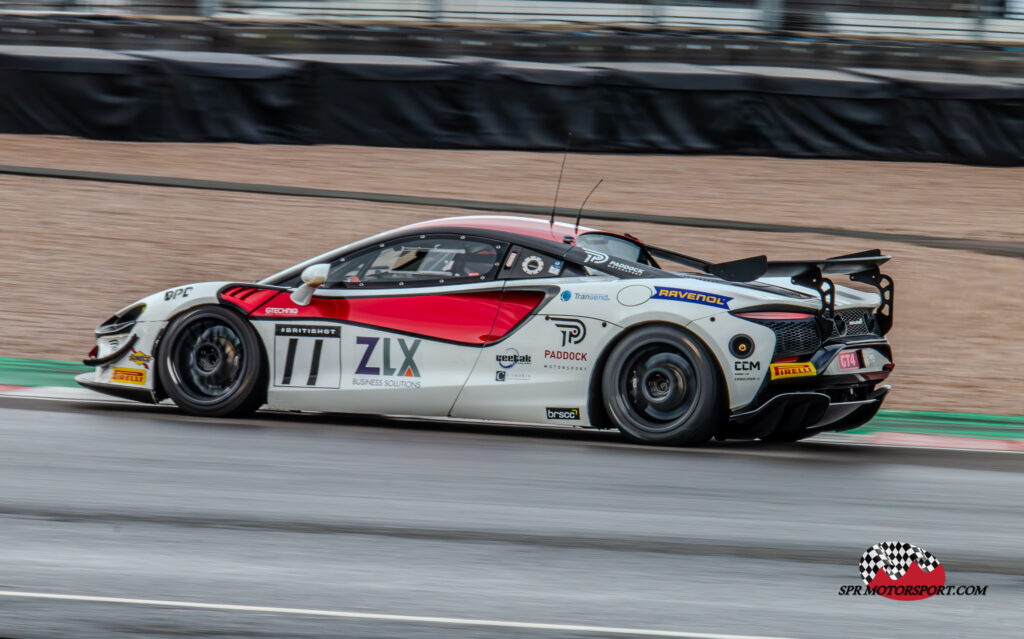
(313, 277)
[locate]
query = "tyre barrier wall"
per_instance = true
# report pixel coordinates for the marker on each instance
(478, 103)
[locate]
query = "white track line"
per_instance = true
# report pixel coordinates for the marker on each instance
(454, 621)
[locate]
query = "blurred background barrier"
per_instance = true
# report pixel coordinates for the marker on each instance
(484, 103)
(978, 20)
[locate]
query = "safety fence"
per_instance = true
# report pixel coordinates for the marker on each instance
(962, 20)
(477, 103)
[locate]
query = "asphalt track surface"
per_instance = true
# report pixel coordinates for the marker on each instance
(335, 526)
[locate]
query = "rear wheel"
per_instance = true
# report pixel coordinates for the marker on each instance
(211, 363)
(660, 387)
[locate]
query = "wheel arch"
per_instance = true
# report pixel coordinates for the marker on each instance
(596, 411)
(159, 392)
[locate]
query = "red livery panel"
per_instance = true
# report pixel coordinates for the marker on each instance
(247, 297)
(469, 318)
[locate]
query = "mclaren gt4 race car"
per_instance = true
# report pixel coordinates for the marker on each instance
(521, 320)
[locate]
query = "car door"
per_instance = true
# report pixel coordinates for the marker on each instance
(396, 328)
(541, 371)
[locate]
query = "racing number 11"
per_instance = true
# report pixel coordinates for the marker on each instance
(307, 356)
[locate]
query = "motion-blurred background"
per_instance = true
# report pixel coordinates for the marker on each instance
(145, 145)
(787, 127)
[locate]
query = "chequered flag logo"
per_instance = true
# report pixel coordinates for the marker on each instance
(895, 558)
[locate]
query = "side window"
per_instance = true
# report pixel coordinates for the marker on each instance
(421, 260)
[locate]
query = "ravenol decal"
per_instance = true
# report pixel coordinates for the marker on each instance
(696, 297)
(128, 376)
(793, 369)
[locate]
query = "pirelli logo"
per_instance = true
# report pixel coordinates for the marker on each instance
(128, 376)
(793, 369)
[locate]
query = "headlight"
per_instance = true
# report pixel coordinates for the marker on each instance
(120, 323)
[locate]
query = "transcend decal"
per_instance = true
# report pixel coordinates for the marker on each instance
(696, 297)
(793, 369)
(128, 376)
(584, 297)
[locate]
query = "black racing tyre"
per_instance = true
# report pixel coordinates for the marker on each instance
(660, 386)
(211, 363)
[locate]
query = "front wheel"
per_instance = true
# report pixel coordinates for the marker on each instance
(660, 387)
(211, 363)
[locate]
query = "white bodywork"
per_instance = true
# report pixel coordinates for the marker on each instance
(520, 378)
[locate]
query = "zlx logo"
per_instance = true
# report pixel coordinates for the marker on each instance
(573, 330)
(408, 366)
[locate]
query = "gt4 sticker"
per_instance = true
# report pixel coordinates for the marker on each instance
(695, 297)
(793, 369)
(128, 376)
(307, 356)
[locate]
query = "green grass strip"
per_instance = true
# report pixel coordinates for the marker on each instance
(39, 372)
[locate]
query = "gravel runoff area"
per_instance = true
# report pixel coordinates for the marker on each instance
(72, 252)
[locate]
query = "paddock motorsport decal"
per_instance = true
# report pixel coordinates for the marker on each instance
(694, 297)
(905, 572)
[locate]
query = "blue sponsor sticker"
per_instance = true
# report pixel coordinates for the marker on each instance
(566, 296)
(695, 297)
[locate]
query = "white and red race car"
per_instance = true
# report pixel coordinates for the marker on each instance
(521, 320)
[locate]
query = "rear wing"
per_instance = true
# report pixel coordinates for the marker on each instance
(863, 267)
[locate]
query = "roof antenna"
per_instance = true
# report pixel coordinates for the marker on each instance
(579, 213)
(565, 154)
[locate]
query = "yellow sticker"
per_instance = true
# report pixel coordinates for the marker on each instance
(128, 376)
(793, 369)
